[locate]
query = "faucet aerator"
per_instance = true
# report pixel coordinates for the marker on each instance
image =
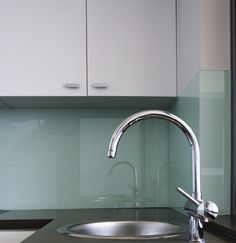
(111, 154)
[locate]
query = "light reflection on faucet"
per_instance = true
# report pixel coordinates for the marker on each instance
(135, 175)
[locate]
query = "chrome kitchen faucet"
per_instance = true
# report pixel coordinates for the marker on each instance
(199, 211)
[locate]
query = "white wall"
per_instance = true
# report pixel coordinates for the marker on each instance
(215, 34)
(188, 41)
(203, 38)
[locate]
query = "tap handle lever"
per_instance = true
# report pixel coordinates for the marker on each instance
(190, 198)
(204, 210)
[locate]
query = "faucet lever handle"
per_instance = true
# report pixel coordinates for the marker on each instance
(204, 210)
(190, 198)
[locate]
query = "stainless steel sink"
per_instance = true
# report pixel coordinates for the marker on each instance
(123, 230)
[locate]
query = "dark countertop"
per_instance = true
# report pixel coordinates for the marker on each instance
(47, 221)
(224, 225)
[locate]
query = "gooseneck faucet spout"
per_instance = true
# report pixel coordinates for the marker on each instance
(177, 121)
(198, 210)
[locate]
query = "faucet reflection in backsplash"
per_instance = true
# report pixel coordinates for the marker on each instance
(199, 211)
(135, 175)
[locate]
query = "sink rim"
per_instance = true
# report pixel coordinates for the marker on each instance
(179, 229)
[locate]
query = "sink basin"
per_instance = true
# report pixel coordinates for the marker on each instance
(123, 230)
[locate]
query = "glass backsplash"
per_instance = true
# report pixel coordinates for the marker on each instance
(57, 158)
(205, 106)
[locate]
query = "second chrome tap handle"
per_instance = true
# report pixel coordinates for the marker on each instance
(190, 198)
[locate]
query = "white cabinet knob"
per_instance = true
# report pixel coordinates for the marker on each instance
(71, 85)
(100, 85)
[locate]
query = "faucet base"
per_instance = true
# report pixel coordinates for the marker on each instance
(196, 231)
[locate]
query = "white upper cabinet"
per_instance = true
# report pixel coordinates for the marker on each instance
(131, 47)
(93, 47)
(43, 47)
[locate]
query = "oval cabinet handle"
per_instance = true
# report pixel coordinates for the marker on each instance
(71, 85)
(100, 85)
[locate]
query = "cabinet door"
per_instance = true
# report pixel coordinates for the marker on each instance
(131, 47)
(14, 236)
(43, 47)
